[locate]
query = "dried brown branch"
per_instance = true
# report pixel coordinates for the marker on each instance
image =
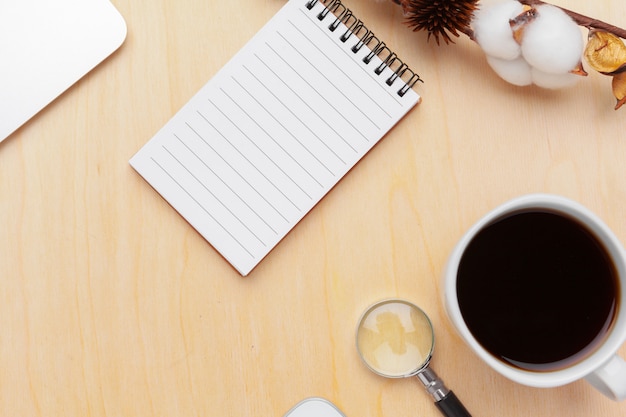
(581, 20)
(446, 18)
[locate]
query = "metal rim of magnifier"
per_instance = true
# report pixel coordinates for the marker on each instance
(420, 367)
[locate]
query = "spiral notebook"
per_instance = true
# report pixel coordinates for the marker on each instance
(277, 127)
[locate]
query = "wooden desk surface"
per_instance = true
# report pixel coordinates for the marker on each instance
(112, 305)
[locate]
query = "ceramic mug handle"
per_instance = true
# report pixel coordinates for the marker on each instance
(610, 379)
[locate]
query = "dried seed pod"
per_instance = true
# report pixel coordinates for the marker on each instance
(440, 18)
(605, 52)
(519, 23)
(619, 89)
(579, 70)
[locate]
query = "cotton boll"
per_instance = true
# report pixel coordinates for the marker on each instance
(553, 81)
(552, 42)
(492, 30)
(516, 71)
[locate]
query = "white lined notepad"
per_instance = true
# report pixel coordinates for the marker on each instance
(277, 127)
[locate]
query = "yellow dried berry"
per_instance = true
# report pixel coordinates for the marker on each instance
(619, 89)
(605, 52)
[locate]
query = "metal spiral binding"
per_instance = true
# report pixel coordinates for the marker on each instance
(356, 27)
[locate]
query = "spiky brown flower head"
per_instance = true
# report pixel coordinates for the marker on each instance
(440, 18)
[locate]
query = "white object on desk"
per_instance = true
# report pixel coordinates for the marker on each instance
(45, 47)
(278, 126)
(314, 407)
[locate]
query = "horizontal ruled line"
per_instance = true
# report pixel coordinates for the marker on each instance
(234, 170)
(253, 143)
(225, 206)
(257, 123)
(269, 90)
(329, 81)
(362, 67)
(235, 193)
(248, 160)
(225, 229)
(289, 132)
(331, 105)
(304, 101)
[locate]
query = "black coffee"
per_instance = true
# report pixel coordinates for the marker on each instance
(537, 290)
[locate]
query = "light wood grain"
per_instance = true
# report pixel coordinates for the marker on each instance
(112, 305)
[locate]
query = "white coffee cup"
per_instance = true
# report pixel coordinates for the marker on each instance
(603, 368)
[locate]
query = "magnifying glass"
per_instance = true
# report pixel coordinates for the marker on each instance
(395, 339)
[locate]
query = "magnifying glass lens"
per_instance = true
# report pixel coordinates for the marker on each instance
(395, 339)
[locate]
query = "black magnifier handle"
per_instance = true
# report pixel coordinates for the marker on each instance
(445, 400)
(450, 406)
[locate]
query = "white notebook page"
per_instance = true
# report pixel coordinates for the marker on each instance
(272, 132)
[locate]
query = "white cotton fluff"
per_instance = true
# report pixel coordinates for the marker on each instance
(553, 42)
(515, 71)
(553, 81)
(492, 30)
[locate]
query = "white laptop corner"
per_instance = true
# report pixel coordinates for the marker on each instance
(45, 47)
